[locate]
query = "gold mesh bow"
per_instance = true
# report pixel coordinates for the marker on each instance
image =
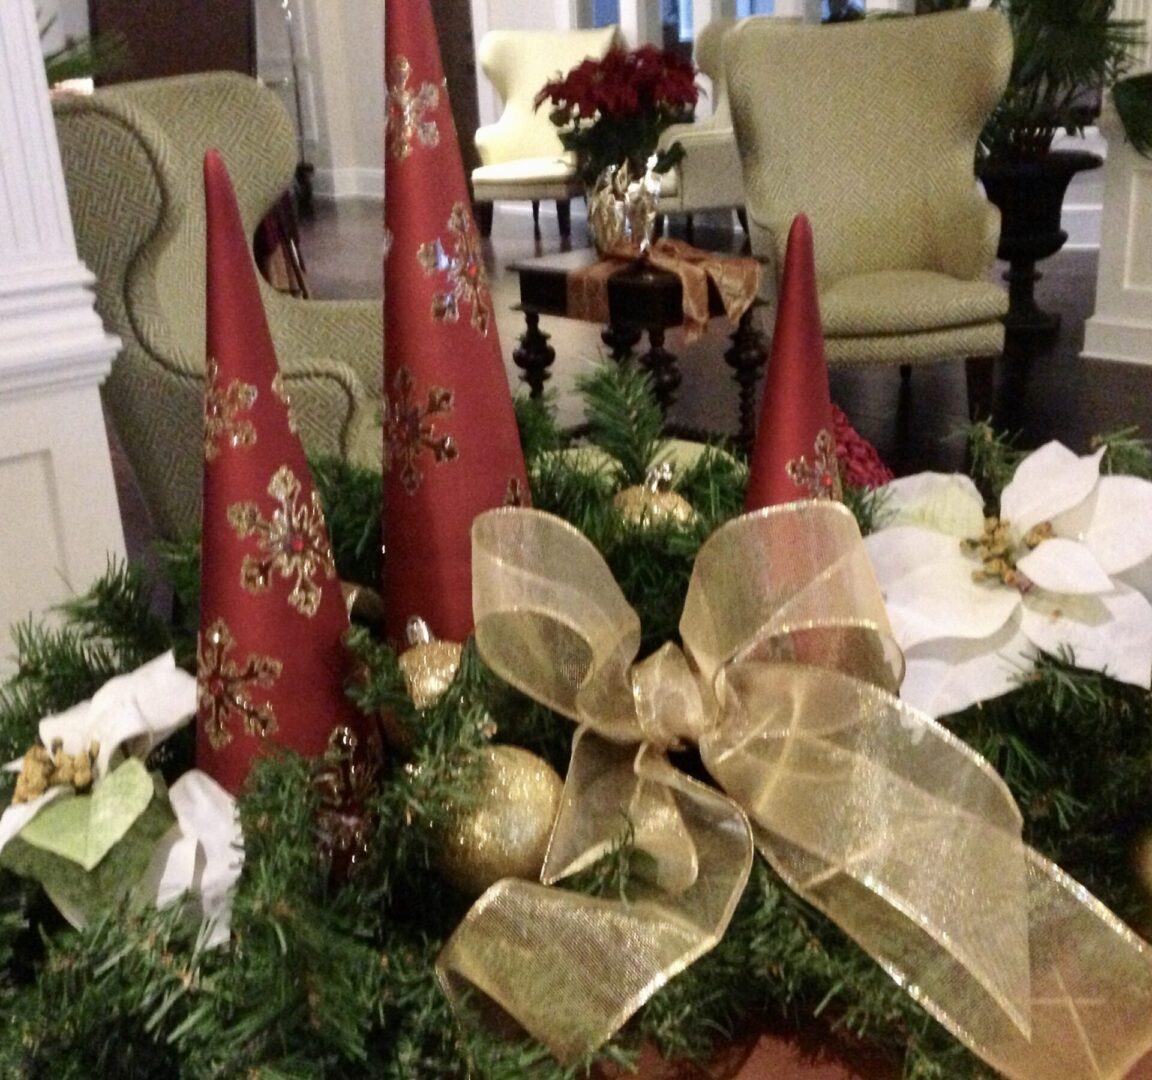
(869, 810)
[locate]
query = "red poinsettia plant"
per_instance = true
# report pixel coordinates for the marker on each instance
(613, 110)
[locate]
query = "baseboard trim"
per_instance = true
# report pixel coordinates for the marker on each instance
(352, 183)
(1124, 341)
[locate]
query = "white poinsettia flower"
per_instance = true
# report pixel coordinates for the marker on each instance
(199, 859)
(1066, 566)
(130, 714)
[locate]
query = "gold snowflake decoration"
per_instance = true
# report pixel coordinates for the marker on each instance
(409, 430)
(462, 266)
(222, 408)
(225, 688)
(285, 399)
(408, 116)
(820, 478)
(292, 543)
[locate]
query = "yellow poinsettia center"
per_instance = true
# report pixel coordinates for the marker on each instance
(998, 551)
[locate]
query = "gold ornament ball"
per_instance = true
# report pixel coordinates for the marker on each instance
(505, 833)
(429, 665)
(641, 505)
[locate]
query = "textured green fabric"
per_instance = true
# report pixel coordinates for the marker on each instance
(133, 166)
(870, 129)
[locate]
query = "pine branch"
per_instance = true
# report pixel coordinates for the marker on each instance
(993, 459)
(1126, 455)
(623, 417)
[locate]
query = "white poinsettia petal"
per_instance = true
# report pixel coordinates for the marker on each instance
(1114, 523)
(946, 676)
(171, 872)
(945, 503)
(141, 709)
(1049, 481)
(906, 549)
(1064, 567)
(207, 812)
(1138, 578)
(1111, 633)
(938, 598)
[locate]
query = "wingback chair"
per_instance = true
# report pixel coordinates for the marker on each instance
(870, 129)
(521, 155)
(133, 167)
(708, 177)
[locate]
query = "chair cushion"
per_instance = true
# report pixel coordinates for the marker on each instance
(527, 171)
(906, 302)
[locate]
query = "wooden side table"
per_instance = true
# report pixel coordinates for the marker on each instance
(641, 300)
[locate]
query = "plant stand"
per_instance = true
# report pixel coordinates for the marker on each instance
(1030, 196)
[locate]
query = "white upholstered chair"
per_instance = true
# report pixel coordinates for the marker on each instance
(870, 129)
(521, 155)
(708, 177)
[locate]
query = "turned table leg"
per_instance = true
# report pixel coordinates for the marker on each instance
(534, 355)
(661, 366)
(621, 340)
(747, 358)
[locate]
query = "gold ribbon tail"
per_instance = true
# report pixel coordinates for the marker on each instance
(570, 968)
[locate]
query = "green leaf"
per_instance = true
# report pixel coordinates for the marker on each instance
(82, 895)
(84, 828)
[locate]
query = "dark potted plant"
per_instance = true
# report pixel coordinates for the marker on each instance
(1067, 54)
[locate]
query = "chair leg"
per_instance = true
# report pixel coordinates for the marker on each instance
(536, 218)
(905, 372)
(564, 216)
(483, 212)
(689, 228)
(742, 217)
(979, 372)
(658, 231)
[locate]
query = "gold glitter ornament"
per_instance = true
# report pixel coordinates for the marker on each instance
(429, 665)
(654, 502)
(505, 833)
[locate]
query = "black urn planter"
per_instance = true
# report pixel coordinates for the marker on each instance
(1030, 196)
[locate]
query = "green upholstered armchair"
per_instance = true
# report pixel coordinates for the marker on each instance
(870, 129)
(132, 158)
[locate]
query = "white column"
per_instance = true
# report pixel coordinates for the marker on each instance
(640, 22)
(1138, 11)
(1121, 328)
(60, 516)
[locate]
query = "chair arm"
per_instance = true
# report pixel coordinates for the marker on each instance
(158, 413)
(967, 235)
(334, 414)
(697, 135)
(349, 332)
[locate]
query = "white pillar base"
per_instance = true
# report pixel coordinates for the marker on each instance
(57, 493)
(1121, 328)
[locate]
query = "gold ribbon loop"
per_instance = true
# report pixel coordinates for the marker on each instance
(869, 810)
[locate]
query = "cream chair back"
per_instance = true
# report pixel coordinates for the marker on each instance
(869, 128)
(519, 63)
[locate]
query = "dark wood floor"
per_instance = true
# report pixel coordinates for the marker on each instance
(1044, 389)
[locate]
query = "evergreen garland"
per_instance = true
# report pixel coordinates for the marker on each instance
(332, 975)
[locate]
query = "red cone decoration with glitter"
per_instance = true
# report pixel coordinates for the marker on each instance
(451, 445)
(270, 662)
(795, 452)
